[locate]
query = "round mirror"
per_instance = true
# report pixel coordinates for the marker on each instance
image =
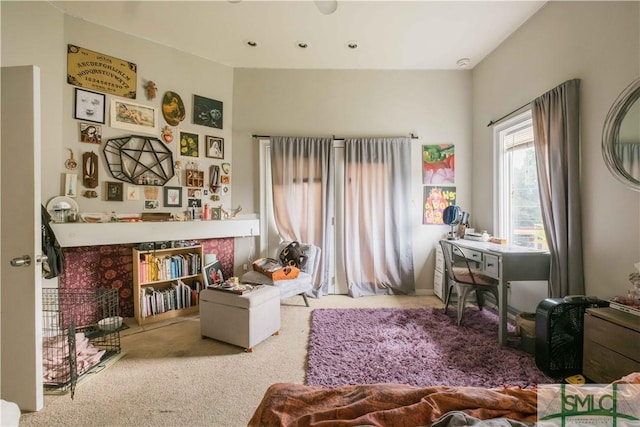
(452, 215)
(621, 137)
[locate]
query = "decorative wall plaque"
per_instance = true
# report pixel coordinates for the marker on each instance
(140, 160)
(104, 73)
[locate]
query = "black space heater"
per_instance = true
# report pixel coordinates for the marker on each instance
(560, 332)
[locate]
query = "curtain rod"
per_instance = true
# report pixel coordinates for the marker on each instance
(411, 135)
(493, 122)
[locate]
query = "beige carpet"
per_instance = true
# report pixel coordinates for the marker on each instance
(170, 376)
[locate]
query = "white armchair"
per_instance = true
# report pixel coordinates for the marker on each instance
(290, 287)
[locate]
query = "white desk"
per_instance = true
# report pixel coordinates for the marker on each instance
(506, 263)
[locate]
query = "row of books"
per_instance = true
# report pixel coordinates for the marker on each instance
(153, 268)
(178, 296)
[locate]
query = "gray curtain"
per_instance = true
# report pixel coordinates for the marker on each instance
(378, 239)
(302, 174)
(556, 130)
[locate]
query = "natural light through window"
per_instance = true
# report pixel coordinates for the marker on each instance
(519, 218)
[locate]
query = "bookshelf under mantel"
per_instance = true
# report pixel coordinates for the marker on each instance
(71, 234)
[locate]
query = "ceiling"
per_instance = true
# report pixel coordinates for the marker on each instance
(414, 35)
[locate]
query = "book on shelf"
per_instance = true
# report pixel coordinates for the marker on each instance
(177, 296)
(157, 268)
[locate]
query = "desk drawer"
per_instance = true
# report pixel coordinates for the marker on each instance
(470, 254)
(439, 259)
(491, 267)
(438, 284)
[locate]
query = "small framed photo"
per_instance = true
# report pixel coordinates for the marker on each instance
(189, 144)
(133, 192)
(90, 133)
(172, 197)
(213, 274)
(71, 184)
(114, 192)
(134, 117)
(215, 147)
(89, 106)
(216, 213)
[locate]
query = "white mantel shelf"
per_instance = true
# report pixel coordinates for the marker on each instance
(113, 233)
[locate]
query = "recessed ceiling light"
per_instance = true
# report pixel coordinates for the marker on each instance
(251, 43)
(352, 44)
(463, 62)
(302, 45)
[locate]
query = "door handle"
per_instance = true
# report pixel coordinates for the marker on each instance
(23, 261)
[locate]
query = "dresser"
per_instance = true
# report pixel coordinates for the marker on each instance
(611, 344)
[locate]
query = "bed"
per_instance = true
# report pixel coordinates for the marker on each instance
(286, 404)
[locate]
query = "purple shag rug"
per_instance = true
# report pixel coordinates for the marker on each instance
(420, 347)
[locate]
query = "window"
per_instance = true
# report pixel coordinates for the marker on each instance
(519, 215)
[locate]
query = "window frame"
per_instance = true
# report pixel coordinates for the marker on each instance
(501, 179)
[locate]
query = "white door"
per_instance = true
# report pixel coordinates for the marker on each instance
(20, 285)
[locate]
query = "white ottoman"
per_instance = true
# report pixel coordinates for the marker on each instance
(242, 320)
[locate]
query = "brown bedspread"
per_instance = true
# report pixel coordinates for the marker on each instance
(397, 405)
(387, 405)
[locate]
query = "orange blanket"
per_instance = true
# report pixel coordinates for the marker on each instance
(395, 405)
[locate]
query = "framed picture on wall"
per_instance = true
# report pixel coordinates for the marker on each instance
(172, 197)
(189, 144)
(90, 133)
(89, 106)
(114, 192)
(215, 147)
(207, 112)
(134, 117)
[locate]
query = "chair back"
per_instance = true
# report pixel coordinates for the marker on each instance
(453, 253)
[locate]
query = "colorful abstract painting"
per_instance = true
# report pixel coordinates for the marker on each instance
(438, 164)
(436, 199)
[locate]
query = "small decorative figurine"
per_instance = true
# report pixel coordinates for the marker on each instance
(152, 89)
(178, 166)
(167, 134)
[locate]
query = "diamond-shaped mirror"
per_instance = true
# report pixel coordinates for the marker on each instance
(139, 160)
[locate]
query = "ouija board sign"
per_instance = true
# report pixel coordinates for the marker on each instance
(100, 72)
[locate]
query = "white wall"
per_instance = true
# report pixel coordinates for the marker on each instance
(33, 34)
(171, 70)
(599, 43)
(435, 105)
(36, 33)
